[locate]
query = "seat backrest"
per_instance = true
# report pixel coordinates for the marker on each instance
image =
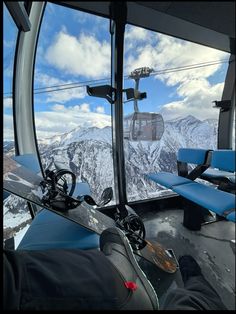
(192, 155)
(223, 159)
(29, 161)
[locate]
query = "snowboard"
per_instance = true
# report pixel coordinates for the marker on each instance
(22, 182)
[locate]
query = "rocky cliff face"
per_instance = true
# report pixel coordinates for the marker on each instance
(88, 153)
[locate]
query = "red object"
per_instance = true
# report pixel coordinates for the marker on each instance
(131, 285)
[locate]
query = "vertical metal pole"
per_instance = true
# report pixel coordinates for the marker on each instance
(136, 100)
(23, 113)
(118, 16)
(226, 117)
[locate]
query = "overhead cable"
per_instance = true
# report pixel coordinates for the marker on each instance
(55, 88)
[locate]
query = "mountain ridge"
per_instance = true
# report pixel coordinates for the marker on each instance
(89, 154)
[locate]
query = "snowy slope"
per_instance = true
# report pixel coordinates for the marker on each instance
(88, 152)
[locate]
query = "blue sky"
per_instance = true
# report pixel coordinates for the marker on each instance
(75, 47)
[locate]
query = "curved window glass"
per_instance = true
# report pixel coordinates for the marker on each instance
(9, 42)
(16, 216)
(180, 79)
(73, 128)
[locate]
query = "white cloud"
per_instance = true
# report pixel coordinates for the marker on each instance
(7, 103)
(167, 52)
(84, 55)
(58, 107)
(192, 86)
(100, 109)
(85, 108)
(198, 96)
(145, 58)
(134, 34)
(73, 109)
(137, 37)
(8, 133)
(137, 33)
(63, 96)
(63, 119)
(45, 80)
(66, 95)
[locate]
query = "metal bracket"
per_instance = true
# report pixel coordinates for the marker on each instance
(224, 105)
(103, 91)
(19, 15)
(132, 94)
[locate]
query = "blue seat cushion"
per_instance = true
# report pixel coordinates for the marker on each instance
(223, 159)
(219, 175)
(192, 155)
(231, 217)
(49, 230)
(207, 197)
(167, 179)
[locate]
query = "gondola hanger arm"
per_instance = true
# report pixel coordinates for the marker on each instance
(132, 94)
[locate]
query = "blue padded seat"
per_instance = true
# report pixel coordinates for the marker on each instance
(186, 155)
(222, 169)
(216, 200)
(207, 197)
(167, 179)
(49, 230)
(192, 155)
(219, 175)
(223, 159)
(231, 217)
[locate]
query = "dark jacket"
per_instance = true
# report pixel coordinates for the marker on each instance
(60, 280)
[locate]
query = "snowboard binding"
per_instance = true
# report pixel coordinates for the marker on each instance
(133, 227)
(58, 192)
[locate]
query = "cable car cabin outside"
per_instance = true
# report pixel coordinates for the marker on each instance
(143, 126)
(50, 118)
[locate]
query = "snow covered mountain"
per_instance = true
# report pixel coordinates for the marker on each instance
(16, 216)
(88, 153)
(8, 146)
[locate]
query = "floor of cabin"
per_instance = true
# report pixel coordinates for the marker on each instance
(213, 247)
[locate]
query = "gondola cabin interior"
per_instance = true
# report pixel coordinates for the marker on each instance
(165, 150)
